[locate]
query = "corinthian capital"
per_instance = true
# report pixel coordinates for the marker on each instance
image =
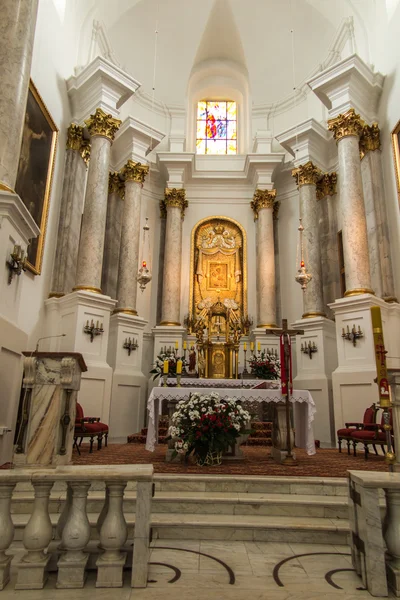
(134, 171)
(262, 199)
(306, 174)
(74, 137)
(176, 199)
(346, 124)
(116, 185)
(370, 139)
(102, 124)
(326, 186)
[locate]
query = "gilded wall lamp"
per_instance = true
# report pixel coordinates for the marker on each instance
(309, 348)
(352, 335)
(303, 278)
(93, 329)
(144, 275)
(130, 345)
(16, 263)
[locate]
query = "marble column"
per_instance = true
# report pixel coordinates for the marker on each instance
(262, 205)
(175, 204)
(377, 224)
(76, 160)
(102, 129)
(346, 129)
(134, 174)
(277, 262)
(17, 31)
(328, 239)
(306, 177)
(112, 240)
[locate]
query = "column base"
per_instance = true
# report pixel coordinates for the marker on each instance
(110, 573)
(358, 292)
(71, 573)
(312, 315)
(170, 324)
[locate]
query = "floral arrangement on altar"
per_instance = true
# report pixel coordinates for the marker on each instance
(169, 354)
(207, 426)
(265, 365)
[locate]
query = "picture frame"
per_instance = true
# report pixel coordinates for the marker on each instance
(396, 154)
(35, 170)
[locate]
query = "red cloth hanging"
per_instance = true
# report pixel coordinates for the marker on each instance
(286, 378)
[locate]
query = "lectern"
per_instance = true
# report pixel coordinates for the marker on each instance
(45, 429)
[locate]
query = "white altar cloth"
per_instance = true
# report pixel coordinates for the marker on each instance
(195, 382)
(304, 409)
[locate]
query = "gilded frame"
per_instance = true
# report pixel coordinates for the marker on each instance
(396, 155)
(35, 170)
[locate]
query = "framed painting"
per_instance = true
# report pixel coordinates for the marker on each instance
(396, 154)
(35, 170)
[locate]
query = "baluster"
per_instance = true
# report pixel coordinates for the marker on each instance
(113, 535)
(37, 536)
(6, 531)
(141, 538)
(103, 513)
(64, 515)
(391, 534)
(75, 536)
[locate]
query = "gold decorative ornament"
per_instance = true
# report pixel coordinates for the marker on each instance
(56, 294)
(390, 299)
(84, 151)
(262, 199)
(125, 311)
(358, 291)
(326, 186)
(307, 174)
(176, 199)
(170, 323)
(346, 124)
(275, 210)
(311, 315)
(116, 185)
(86, 288)
(134, 171)
(74, 137)
(102, 124)
(268, 325)
(370, 139)
(6, 188)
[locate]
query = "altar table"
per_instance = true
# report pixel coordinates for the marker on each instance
(304, 409)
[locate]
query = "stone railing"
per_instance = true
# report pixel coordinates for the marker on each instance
(75, 552)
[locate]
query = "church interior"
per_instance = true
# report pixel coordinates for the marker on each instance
(199, 308)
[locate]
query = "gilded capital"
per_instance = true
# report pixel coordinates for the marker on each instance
(84, 151)
(102, 124)
(326, 186)
(116, 185)
(176, 199)
(275, 210)
(346, 124)
(134, 171)
(370, 139)
(306, 174)
(74, 137)
(262, 199)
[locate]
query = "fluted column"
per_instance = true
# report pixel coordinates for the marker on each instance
(175, 204)
(134, 174)
(262, 205)
(76, 159)
(102, 128)
(306, 177)
(112, 240)
(346, 129)
(17, 31)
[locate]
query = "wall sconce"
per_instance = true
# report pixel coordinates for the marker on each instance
(17, 262)
(93, 329)
(309, 348)
(130, 345)
(352, 335)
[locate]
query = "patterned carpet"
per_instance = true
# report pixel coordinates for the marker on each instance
(325, 463)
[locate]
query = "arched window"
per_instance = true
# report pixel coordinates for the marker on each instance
(216, 127)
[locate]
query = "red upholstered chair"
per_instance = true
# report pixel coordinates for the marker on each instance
(373, 435)
(347, 432)
(90, 427)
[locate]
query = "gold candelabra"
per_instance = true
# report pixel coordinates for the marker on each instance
(17, 262)
(352, 335)
(93, 330)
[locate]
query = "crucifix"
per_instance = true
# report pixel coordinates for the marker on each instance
(286, 379)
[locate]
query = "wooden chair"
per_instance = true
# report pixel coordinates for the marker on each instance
(373, 435)
(347, 432)
(89, 427)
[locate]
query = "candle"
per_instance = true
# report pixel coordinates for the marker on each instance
(245, 346)
(259, 346)
(342, 331)
(87, 323)
(251, 346)
(97, 325)
(185, 345)
(166, 367)
(177, 344)
(179, 367)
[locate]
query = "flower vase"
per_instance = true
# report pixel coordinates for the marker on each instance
(210, 459)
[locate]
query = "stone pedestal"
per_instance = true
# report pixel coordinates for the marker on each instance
(279, 448)
(315, 373)
(47, 421)
(129, 384)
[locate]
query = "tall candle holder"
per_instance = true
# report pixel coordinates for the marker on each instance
(245, 371)
(17, 262)
(352, 335)
(184, 371)
(178, 379)
(165, 377)
(93, 329)
(309, 348)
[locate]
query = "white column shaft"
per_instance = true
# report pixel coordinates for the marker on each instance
(129, 251)
(266, 268)
(172, 268)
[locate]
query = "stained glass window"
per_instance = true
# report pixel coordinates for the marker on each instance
(216, 127)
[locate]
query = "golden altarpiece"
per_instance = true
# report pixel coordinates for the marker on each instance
(218, 295)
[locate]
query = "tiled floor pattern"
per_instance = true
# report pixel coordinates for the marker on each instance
(196, 575)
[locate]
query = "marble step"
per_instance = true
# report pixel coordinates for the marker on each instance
(227, 527)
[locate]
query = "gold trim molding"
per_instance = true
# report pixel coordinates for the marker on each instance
(311, 315)
(175, 198)
(307, 174)
(346, 124)
(170, 324)
(390, 299)
(262, 199)
(6, 188)
(126, 311)
(86, 288)
(134, 171)
(358, 292)
(116, 185)
(56, 294)
(326, 186)
(268, 326)
(102, 124)
(370, 139)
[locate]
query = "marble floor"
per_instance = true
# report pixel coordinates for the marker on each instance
(218, 570)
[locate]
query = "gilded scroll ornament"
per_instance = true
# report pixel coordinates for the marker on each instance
(84, 151)
(74, 137)
(134, 171)
(326, 186)
(103, 124)
(116, 185)
(262, 199)
(307, 174)
(346, 124)
(370, 139)
(176, 199)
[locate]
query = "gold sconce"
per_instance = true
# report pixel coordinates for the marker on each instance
(130, 345)
(93, 329)
(17, 262)
(352, 335)
(309, 348)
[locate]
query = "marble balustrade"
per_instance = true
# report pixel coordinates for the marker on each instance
(77, 552)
